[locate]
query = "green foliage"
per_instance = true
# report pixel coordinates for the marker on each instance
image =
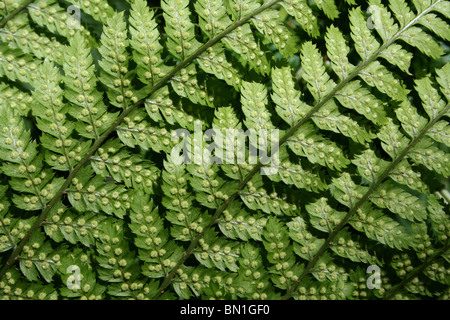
(314, 139)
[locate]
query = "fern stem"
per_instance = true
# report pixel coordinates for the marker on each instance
(18, 249)
(366, 196)
(15, 12)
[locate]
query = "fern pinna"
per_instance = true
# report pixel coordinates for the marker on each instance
(99, 98)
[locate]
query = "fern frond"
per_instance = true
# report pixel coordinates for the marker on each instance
(306, 245)
(84, 285)
(330, 118)
(14, 287)
(114, 161)
(51, 15)
(317, 148)
(39, 259)
(269, 200)
(144, 41)
(427, 154)
(293, 173)
(23, 164)
(6, 240)
(217, 252)
(231, 149)
(314, 73)
(52, 120)
(380, 227)
(402, 203)
(238, 223)
(87, 101)
(303, 14)
(159, 253)
(188, 221)
(269, 24)
(18, 34)
(282, 262)
(17, 66)
(187, 85)
(138, 130)
(439, 220)
(254, 101)
(253, 274)
(12, 98)
(371, 167)
(116, 75)
(355, 96)
(97, 9)
(338, 50)
(326, 269)
(181, 41)
(322, 216)
(63, 224)
(215, 62)
(213, 17)
(329, 8)
(286, 98)
(354, 249)
(241, 8)
(116, 262)
(208, 184)
(331, 290)
(243, 43)
(92, 193)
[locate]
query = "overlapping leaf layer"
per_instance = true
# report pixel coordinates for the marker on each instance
(313, 135)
